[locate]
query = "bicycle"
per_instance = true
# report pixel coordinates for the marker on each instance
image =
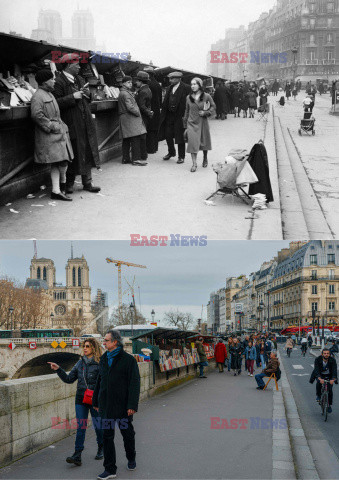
(289, 351)
(324, 399)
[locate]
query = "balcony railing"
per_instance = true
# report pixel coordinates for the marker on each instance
(329, 61)
(328, 313)
(276, 302)
(304, 279)
(315, 61)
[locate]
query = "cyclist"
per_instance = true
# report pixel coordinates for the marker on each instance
(303, 345)
(325, 368)
(334, 349)
(289, 346)
(310, 341)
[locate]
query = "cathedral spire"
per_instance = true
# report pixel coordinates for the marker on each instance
(72, 250)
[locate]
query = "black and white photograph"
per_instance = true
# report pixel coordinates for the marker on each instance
(207, 130)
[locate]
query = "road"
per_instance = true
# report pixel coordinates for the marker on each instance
(321, 436)
(159, 199)
(174, 439)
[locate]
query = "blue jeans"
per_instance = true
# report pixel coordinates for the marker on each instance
(201, 367)
(259, 378)
(81, 412)
(262, 359)
(229, 361)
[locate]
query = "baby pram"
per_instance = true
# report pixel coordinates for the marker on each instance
(233, 176)
(307, 124)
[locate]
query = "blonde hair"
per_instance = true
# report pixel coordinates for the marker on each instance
(96, 348)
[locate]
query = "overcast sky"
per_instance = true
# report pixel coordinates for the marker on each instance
(177, 32)
(176, 277)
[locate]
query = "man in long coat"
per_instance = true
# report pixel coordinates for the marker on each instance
(73, 102)
(153, 125)
(116, 397)
(221, 100)
(131, 125)
(144, 101)
(173, 109)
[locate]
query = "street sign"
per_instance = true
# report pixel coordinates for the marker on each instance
(75, 343)
(32, 345)
(154, 323)
(239, 308)
(12, 346)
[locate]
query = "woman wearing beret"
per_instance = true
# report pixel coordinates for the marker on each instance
(199, 106)
(52, 143)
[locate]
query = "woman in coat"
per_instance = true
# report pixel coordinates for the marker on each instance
(199, 106)
(86, 372)
(236, 352)
(262, 351)
(288, 90)
(250, 356)
(52, 143)
(131, 124)
(252, 100)
(220, 355)
(228, 352)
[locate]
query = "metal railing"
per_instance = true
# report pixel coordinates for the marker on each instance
(38, 341)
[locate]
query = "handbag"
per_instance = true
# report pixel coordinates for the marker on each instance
(88, 395)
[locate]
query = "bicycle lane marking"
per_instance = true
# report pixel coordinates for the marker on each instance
(298, 367)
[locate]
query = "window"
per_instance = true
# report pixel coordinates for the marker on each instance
(313, 260)
(312, 25)
(73, 277)
(329, 38)
(314, 275)
(80, 311)
(329, 54)
(79, 277)
(314, 289)
(330, 7)
(329, 22)
(38, 273)
(330, 258)
(312, 57)
(331, 274)
(315, 306)
(331, 289)
(331, 305)
(312, 7)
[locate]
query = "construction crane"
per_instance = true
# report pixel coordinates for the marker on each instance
(118, 264)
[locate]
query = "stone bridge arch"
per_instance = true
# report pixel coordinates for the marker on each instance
(23, 362)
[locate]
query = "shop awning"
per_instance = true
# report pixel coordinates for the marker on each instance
(167, 333)
(187, 74)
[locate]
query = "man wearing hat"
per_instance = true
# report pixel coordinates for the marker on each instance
(144, 100)
(131, 125)
(173, 109)
(73, 100)
(153, 124)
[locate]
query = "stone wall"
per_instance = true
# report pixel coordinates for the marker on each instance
(28, 405)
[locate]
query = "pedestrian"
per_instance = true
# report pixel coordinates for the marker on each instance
(229, 355)
(263, 94)
(153, 125)
(243, 102)
(288, 90)
(202, 357)
(295, 92)
(220, 355)
(116, 397)
(250, 356)
(275, 87)
(73, 99)
(261, 353)
(173, 109)
(52, 143)
(199, 106)
(244, 345)
(272, 367)
(252, 101)
(237, 101)
(310, 341)
(289, 346)
(236, 352)
(144, 101)
(132, 127)
(221, 99)
(86, 372)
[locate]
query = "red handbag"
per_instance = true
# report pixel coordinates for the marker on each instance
(88, 395)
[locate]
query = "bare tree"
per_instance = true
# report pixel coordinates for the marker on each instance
(123, 316)
(181, 320)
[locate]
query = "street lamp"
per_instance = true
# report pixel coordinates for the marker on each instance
(294, 50)
(11, 310)
(131, 308)
(261, 308)
(153, 315)
(52, 317)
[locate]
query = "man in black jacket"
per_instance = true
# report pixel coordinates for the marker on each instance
(144, 99)
(172, 112)
(116, 397)
(153, 126)
(325, 368)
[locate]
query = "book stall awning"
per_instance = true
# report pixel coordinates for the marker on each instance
(171, 347)
(161, 74)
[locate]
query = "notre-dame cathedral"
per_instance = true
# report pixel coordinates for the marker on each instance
(70, 305)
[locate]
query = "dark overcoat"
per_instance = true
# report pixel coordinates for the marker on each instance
(259, 163)
(130, 119)
(144, 101)
(156, 90)
(221, 100)
(77, 116)
(118, 386)
(179, 111)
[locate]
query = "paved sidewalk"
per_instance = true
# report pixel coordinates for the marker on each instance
(174, 438)
(159, 199)
(318, 153)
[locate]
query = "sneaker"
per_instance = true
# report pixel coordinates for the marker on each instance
(329, 410)
(251, 375)
(132, 465)
(248, 374)
(106, 475)
(202, 376)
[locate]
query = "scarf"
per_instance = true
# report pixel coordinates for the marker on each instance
(112, 354)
